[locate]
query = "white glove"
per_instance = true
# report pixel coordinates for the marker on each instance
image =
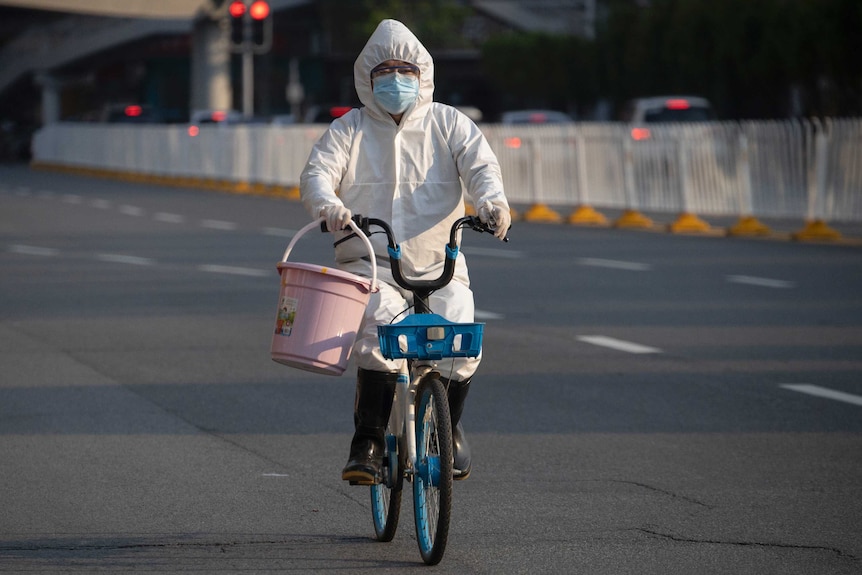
(337, 217)
(498, 218)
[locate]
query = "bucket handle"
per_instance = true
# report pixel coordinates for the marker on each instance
(359, 232)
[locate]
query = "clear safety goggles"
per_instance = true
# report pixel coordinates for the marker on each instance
(406, 70)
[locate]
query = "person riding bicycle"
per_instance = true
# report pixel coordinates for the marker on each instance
(405, 159)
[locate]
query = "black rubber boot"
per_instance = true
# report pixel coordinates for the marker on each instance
(463, 458)
(374, 393)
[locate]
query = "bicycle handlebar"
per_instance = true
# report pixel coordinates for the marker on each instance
(423, 287)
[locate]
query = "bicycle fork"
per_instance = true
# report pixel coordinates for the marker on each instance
(403, 421)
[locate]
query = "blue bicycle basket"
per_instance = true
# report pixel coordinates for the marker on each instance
(429, 336)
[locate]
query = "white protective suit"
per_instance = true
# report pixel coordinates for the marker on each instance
(410, 175)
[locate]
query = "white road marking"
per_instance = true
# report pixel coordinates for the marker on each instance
(279, 232)
(761, 282)
(818, 391)
(169, 218)
(617, 344)
(614, 264)
(480, 315)
(493, 253)
(125, 259)
(218, 225)
(33, 250)
(131, 210)
(233, 270)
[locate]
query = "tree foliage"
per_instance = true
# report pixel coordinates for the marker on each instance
(747, 56)
(437, 22)
(540, 70)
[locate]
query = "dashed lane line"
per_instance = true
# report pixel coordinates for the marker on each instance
(485, 315)
(139, 261)
(131, 210)
(617, 344)
(33, 250)
(492, 252)
(169, 218)
(818, 391)
(234, 270)
(615, 264)
(218, 225)
(279, 232)
(760, 282)
(125, 259)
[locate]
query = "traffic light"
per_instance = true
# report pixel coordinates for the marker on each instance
(237, 11)
(250, 26)
(261, 25)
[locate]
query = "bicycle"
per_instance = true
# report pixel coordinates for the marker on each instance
(418, 444)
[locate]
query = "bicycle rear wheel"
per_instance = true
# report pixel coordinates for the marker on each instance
(432, 480)
(386, 495)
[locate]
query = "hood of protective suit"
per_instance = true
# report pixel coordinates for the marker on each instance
(392, 40)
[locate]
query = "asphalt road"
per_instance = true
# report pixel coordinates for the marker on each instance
(648, 403)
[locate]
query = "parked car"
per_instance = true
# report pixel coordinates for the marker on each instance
(671, 138)
(665, 110)
(200, 117)
(130, 114)
(325, 113)
(208, 117)
(534, 117)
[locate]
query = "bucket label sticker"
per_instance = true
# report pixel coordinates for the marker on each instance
(286, 316)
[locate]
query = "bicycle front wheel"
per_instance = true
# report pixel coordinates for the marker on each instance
(432, 479)
(386, 495)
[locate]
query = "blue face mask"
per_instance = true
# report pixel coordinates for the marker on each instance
(395, 92)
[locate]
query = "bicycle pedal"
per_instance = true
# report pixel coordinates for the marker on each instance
(365, 483)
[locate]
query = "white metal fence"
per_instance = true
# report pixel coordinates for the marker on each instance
(804, 169)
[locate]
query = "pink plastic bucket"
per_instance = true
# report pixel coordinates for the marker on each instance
(319, 313)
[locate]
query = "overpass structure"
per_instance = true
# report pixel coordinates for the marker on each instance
(93, 26)
(84, 28)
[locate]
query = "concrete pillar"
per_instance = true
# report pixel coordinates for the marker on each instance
(50, 97)
(211, 88)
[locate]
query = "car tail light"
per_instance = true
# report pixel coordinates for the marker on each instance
(133, 111)
(338, 111)
(219, 116)
(677, 104)
(193, 131)
(640, 134)
(513, 142)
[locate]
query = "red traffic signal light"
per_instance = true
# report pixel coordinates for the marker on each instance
(261, 25)
(259, 10)
(237, 9)
(237, 12)
(250, 25)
